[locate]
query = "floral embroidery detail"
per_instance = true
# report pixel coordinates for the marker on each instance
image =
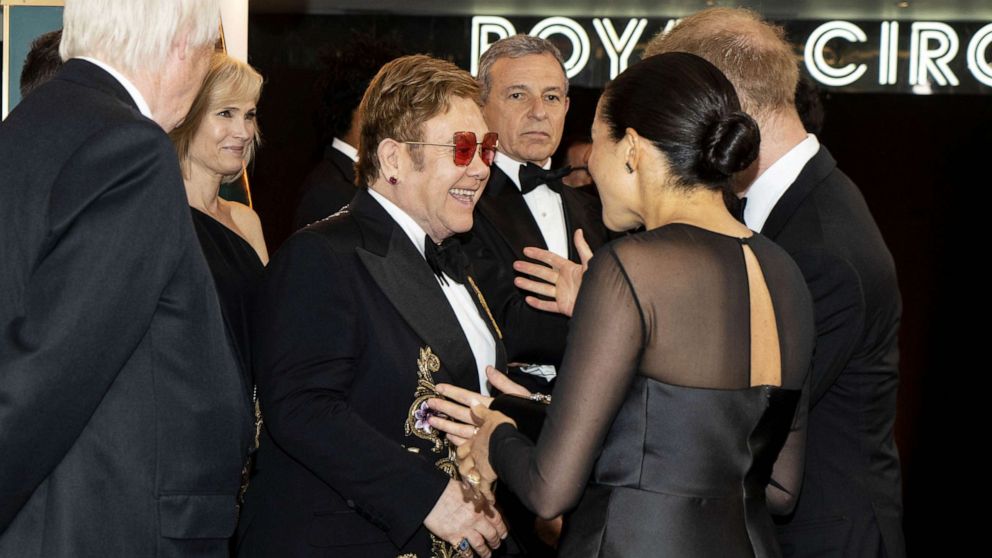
(441, 549)
(417, 425)
(422, 415)
(416, 422)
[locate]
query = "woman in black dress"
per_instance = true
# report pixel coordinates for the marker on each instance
(215, 142)
(678, 420)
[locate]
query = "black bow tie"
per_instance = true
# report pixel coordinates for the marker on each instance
(446, 258)
(532, 176)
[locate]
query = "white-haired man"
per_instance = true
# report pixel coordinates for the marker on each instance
(123, 419)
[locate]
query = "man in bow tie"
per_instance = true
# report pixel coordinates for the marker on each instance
(525, 99)
(525, 96)
(359, 316)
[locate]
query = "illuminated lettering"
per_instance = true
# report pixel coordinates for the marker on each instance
(818, 66)
(619, 48)
(925, 61)
(575, 35)
(482, 28)
(888, 53)
(977, 63)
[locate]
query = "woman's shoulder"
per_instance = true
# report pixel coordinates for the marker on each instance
(249, 225)
(655, 241)
(242, 214)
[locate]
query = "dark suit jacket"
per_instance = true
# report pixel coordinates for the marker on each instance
(850, 504)
(124, 420)
(328, 188)
(346, 308)
(503, 227)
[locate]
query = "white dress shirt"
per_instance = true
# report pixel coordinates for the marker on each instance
(768, 188)
(546, 206)
(132, 90)
(479, 337)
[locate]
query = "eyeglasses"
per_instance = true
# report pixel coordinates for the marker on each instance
(465, 147)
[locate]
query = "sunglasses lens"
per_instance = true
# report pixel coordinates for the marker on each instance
(488, 148)
(464, 148)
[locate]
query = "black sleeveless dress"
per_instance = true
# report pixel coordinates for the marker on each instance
(654, 429)
(236, 270)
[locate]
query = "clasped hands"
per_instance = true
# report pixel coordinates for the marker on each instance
(468, 423)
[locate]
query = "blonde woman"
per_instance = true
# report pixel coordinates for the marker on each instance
(215, 142)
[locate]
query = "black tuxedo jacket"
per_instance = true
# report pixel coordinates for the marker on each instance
(124, 419)
(328, 188)
(347, 306)
(850, 504)
(503, 227)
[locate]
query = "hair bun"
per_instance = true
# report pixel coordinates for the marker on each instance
(729, 145)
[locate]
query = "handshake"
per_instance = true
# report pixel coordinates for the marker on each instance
(466, 514)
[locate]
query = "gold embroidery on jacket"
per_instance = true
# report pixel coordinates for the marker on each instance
(417, 425)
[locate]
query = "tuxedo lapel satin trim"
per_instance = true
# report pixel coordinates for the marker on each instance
(408, 282)
(812, 175)
(504, 206)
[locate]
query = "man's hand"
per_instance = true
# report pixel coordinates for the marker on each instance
(560, 277)
(458, 515)
(458, 403)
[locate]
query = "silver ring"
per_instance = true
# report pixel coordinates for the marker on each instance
(463, 546)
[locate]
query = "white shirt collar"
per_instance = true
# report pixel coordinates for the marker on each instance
(409, 226)
(768, 188)
(346, 148)
(511, 166)
(132, 90)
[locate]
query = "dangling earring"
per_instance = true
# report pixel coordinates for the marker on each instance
(392, 180)
(630, 169)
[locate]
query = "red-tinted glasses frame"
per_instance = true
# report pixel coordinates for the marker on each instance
(464, 144)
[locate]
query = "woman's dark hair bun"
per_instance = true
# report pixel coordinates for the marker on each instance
(729, 145)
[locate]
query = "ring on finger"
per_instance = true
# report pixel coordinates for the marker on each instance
(473, 477)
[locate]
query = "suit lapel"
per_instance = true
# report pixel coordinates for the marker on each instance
(343, 163)
(815, 171)
(581, 212)
(504, 206)
(402, 274)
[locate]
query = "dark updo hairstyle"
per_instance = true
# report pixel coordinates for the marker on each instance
(688, 110)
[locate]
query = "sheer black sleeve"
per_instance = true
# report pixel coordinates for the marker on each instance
(787, 473)
(673, 305)
(604, 347)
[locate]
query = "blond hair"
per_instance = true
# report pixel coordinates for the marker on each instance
(135, 35)
(228, 80)
(405, 94)
(753, 53)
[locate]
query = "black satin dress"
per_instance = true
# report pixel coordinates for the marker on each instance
(237, 270)
(655, 438)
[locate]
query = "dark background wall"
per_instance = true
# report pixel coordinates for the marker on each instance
(916, 159)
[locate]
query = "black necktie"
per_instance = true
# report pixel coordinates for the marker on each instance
(532, 176)
(446, 258)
